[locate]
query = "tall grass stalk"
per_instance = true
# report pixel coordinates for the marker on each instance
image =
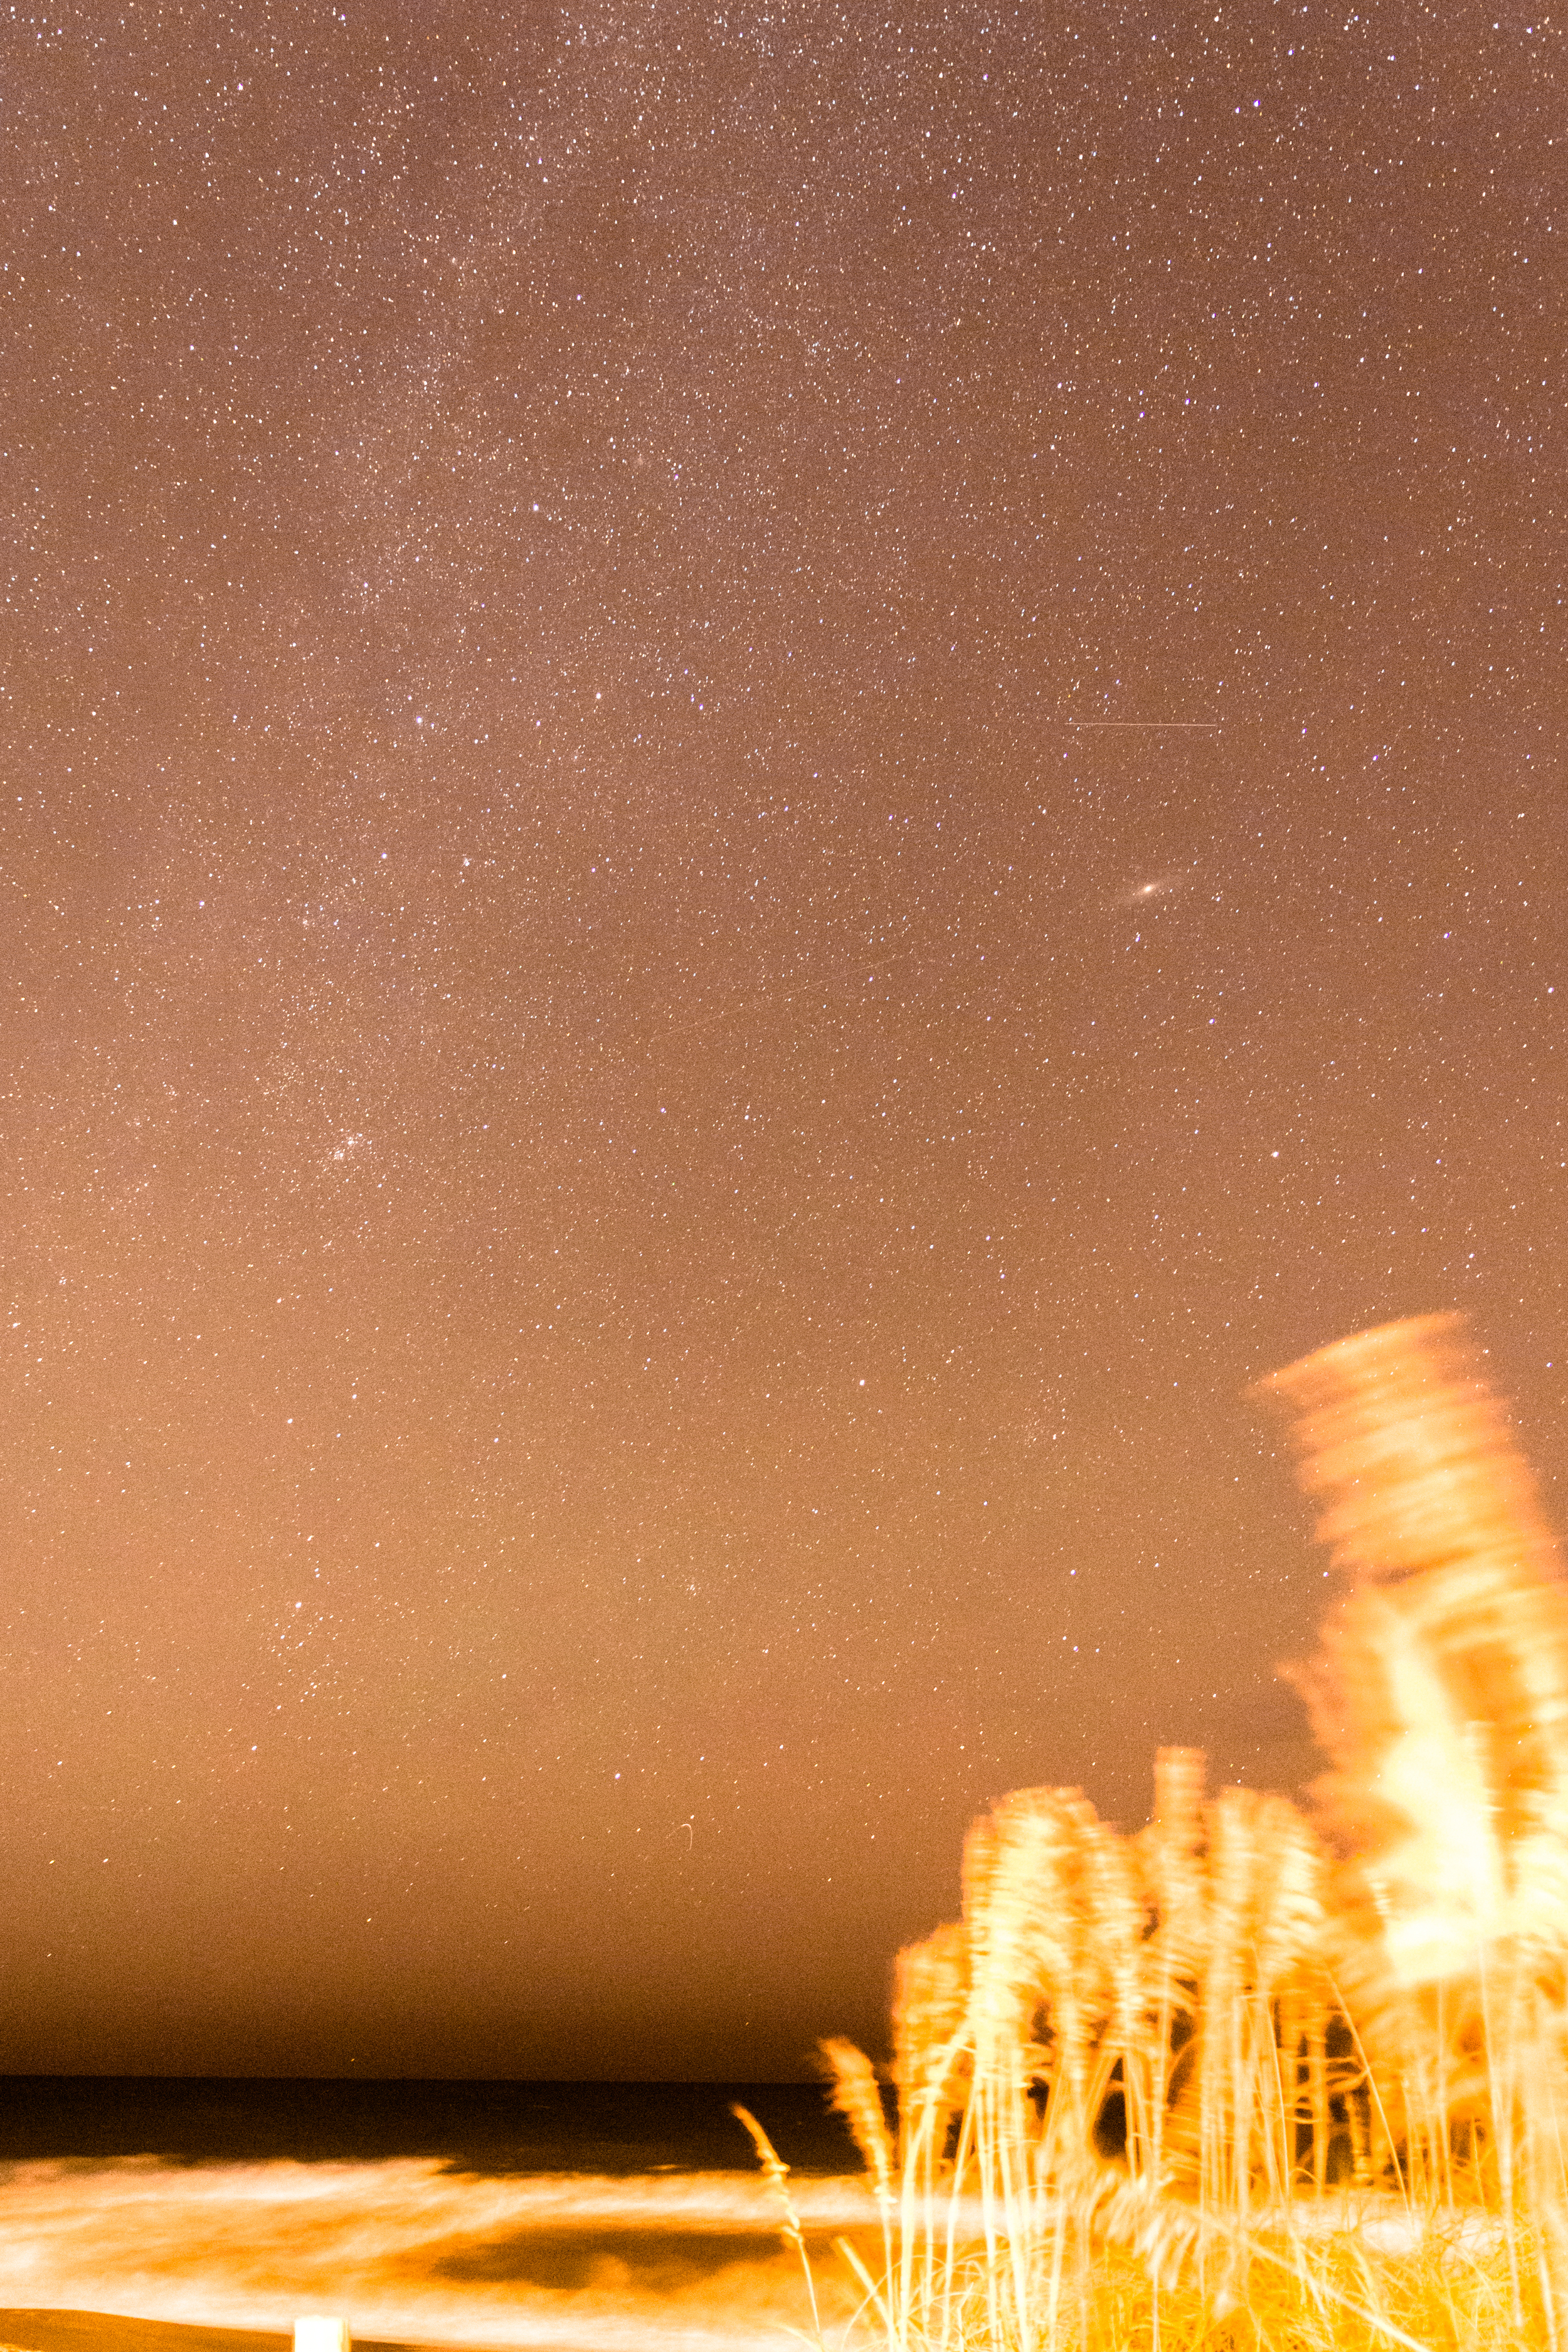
(1244, 2078)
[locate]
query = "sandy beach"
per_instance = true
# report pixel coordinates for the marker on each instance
(218, 2257)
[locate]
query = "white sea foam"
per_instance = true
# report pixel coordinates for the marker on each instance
(410, 2252)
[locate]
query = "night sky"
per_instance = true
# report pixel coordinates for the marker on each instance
(774, 777)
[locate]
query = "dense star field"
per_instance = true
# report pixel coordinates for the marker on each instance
(774, 777)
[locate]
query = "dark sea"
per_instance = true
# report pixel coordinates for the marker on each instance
(490, 2127)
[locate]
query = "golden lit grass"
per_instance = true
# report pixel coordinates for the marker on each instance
(1243, 2079)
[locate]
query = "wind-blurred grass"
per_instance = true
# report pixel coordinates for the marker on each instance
(1248, 2079)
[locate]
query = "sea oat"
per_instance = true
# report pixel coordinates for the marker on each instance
(1164, 2049)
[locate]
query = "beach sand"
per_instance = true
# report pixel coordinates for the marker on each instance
(108, 2331)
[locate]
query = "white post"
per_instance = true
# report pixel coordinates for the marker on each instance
(316, 2334)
